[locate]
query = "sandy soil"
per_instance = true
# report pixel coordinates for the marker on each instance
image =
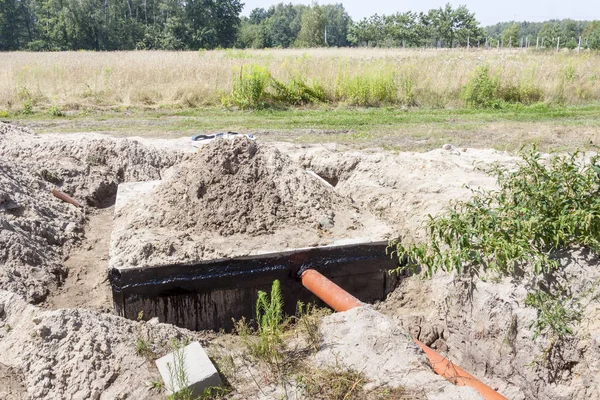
(57, 255)
(87, 285)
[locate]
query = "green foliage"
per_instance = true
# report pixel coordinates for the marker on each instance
(510, 36)
(269, 319)
(312, 31)
(143, 348)
(27, 107)
(55, 111)
(249, 88)
(482, 90)
(557, 313)
(298, 92)
(524, 93)
(369, 89)
(258, 89)
(542, 207)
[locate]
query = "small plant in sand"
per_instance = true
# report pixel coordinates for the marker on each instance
(540, 209)
(269, 320)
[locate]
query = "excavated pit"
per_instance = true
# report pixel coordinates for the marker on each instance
(195, 248)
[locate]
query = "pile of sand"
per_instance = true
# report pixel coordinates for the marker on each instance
(239, 186)
(234, 198)
(36, 230)
(80, 354)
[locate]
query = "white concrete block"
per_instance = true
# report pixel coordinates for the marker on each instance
(200, 373)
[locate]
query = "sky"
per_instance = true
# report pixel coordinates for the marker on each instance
(486, 12)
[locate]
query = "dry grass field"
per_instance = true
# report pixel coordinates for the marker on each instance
(398, 77)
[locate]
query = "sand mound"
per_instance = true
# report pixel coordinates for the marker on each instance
(81, 354)
(367, 341)
(238, 186)
(35, 231)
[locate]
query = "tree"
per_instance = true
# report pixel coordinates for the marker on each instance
(592, 35)
(401, 29)
(337, 22)
(11, 25)
(213, 23)
(368, 32)
(251, 35)
(449, 26)
(283, 25)
(312, 31)
(549, 34)
(510, 36)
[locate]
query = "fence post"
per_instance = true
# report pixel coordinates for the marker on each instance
(537, 42)
(558, 44)
(579, 44)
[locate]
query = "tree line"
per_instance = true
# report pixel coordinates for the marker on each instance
(50, 25)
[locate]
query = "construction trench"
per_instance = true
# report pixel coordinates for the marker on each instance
(192, 236)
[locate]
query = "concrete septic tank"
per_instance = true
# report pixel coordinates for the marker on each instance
(208, 294)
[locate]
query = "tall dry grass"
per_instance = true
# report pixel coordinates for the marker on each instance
(431, 78)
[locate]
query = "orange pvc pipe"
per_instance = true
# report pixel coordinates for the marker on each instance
(335, 297)
(340, 300)
(455, 374)
(65, 197)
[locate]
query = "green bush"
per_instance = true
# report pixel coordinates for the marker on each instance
(367, 89)
(298, 92)
(55, 111)
(524, 93)
(482, 90)
(250, 88)
(540, 208)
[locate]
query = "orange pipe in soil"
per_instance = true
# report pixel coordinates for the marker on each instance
(340, 300)
(455, 374)
(65, 197)
(333, 295)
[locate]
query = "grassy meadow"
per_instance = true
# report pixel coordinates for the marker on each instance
(393, 98)
(64, 81)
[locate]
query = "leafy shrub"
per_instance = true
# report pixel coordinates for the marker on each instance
(249, 88)
(540, 208)
(557, 313)
(481, 91)
(55, 111)
(298, 92)
(27, 107)
(525, 93)
(368, 89)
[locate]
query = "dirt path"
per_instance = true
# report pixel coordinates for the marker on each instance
(87, 285)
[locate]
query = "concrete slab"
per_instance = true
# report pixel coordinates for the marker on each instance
(132, 191)
(188, 367)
